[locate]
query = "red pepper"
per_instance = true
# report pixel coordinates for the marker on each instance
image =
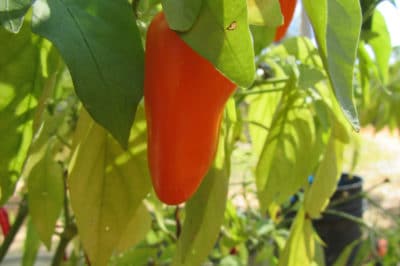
(184, 102)
(4, 221)
(287, 9)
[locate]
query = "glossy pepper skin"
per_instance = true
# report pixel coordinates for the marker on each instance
(184, 100)
(287, 9)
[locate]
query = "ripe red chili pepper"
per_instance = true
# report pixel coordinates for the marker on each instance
(382, 247)
(184, 101)
(287, 9)
(4, 221)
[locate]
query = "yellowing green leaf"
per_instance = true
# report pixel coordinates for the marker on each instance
(107, 184)
(300, 247)
(283, 168)
(381, 45)
(264, 13)
(45, 187)
(325, 179)
(136, 229)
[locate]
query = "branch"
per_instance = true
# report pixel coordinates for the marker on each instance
(19, 220)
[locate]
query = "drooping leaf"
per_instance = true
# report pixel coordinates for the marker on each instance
(136, 229)
(101, 46)
(282, 167)
(12, 14)
(229, 47)
(262, 37)
(325, 180)
(300, 247)
(31, 245)
(345, 255)
(21, 82)
(45, 185)
(181, 14)
(204, 213)
(337, 26)
(45, 176)
(381, 45)
(264, 13)
(260, 115)
(107, 184)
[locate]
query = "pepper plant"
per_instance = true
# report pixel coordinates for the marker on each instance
(73, 124)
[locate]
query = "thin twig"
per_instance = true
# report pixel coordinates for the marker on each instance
(68, 234)
(251, 92)
(19, 220)
(178, 223)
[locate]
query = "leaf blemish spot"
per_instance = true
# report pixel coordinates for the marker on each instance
(232, 26)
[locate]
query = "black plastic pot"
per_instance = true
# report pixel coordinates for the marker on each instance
(337, 232)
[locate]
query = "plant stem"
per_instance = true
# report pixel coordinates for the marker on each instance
(250, 92)
(178, 223)
(68, 234)
(19, 220)
(350, 217)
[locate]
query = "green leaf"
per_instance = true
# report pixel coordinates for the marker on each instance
(381, 45)
(21, 82)
(31, 245)
(282, 167)
(337, 26)
(45, 186)
(262, 37)
(204, 213)
(101, 46)
(136, 230)
(346, 253)
(45, 178)
(317, 196)
(12, 14)
(229, 46)
(261, 112)
(264, 13)
(300, 247)
(181, 14)
(107, 184)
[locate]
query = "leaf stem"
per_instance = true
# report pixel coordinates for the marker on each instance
(19, 220)
(69, 233)
(250, 92)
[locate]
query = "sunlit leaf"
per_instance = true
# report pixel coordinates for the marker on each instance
(107, 184)
(21, 82)
(229, 47)
(282, 167)
(12, 14)
(101, 46)
(337, 26)
(381, 45)
(264, 13)
(299, 249)
(325, 180)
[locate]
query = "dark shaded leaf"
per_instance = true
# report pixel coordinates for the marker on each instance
(101, 46)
